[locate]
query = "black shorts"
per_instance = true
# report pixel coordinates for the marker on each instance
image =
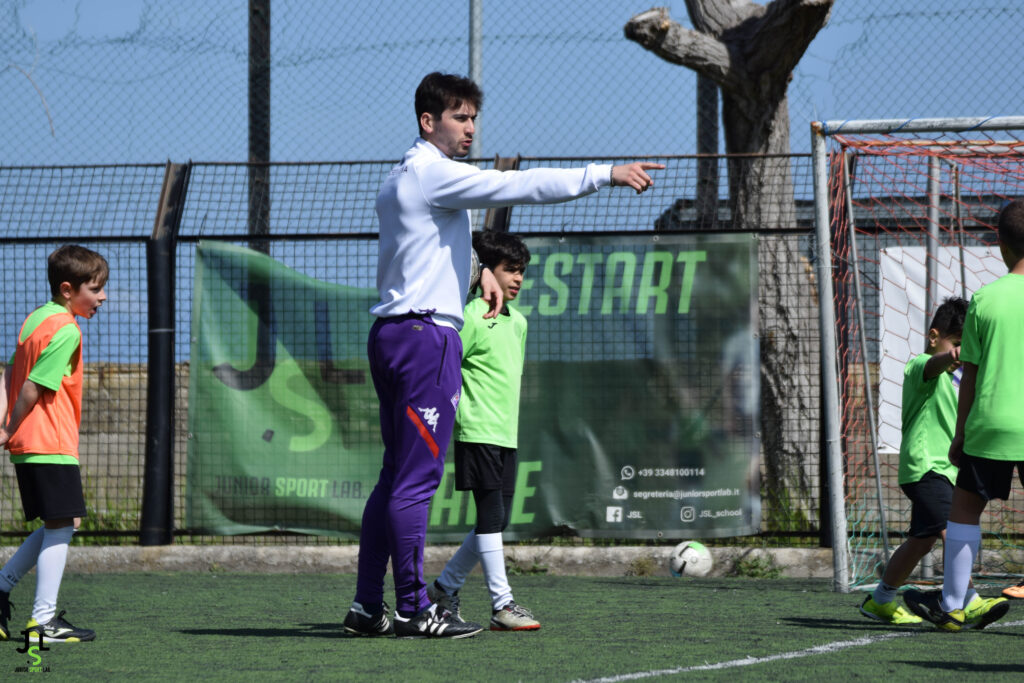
(988, 478)
(486, 467)
(930, 499)
(50, 491)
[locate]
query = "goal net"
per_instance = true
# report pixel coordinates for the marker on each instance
(912, 209)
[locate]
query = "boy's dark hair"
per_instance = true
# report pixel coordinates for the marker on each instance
(75, 265)
(949, 316)
(1011, 226)
(438, 91)
(493, 246)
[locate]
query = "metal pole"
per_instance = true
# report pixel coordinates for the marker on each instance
(829, 368)
(953, 125)
(259, 123)
(157, 521)
(958, 216)
(931, 286)
(868, 393)
(476, 57)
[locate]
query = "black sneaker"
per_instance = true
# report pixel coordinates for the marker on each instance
(5, 614)
(57, 630)
(928, 605)
(437, 594)
(434, 622)
(361, 623)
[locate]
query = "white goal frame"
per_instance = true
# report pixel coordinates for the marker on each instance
(821, 131)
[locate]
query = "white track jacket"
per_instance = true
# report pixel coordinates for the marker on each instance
(423, 264)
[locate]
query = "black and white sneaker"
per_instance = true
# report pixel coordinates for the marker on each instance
(361, 623)
(434, 622)
(437, 594)
(57, 630)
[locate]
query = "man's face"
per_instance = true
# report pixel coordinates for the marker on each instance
(453, 132)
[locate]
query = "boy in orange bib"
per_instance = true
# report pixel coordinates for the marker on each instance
(40, 412)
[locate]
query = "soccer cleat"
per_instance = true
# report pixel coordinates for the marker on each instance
(1015, 591)
(929, 606)
(981, 612)
(57, 630)
(5, 615)
(440, 597)
(361, 623)
(889, 612)
(434, 622)
(513, 617)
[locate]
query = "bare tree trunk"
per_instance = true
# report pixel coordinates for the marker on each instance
(750, 51)
(707, 143)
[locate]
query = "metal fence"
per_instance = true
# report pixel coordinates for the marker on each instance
(322, 224)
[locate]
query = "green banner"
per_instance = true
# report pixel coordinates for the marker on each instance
(639, 404)
(283, 429)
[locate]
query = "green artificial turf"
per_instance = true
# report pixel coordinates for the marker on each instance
(269, 627)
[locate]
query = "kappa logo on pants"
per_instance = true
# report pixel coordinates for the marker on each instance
(430, 415)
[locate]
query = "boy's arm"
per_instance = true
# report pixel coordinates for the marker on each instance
(942, 362)
(5, 383)
(27, 398)
(963, 409)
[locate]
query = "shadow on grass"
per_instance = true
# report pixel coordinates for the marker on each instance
(853, 624)
(967, 667)
(304, 631)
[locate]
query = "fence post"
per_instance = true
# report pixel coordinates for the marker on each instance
(157, 526)
(500, 218)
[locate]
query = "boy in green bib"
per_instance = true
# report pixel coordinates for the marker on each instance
(989, 440)
(925, 474)
(486, 434)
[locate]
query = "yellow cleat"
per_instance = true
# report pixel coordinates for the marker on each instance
(981, 612)
(889, 612)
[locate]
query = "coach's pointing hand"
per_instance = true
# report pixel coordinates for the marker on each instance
(634, 175)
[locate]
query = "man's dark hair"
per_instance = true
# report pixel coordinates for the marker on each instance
(949, 317)
(438, 91)
(75, 265)
(492, 247)
(1011, 226)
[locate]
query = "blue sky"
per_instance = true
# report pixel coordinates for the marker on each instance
(143, 81)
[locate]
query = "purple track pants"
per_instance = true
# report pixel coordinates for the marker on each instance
(416, 370)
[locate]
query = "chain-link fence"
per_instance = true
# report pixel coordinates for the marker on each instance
(323, 226)
(141, 80)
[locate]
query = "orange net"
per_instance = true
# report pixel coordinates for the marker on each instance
(912, 222)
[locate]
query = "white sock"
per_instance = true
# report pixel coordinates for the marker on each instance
(885, 593)
(461, 564)
(962, 542)
(971, 594)
(24, 559)
(53, 556)
(492, 557)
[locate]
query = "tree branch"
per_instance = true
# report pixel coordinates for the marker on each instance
(715, 17)
(776, 41)
(654, 30)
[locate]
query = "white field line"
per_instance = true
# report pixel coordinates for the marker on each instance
(827, 648)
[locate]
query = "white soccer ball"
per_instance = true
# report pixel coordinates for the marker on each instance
(690, 558)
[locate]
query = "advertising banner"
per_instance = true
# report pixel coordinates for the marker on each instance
(639, 410)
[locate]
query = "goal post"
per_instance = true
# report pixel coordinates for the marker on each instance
(905, 213)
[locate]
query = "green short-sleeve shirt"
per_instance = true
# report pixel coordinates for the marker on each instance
(993, 339)
(492, 368)
(929, 420)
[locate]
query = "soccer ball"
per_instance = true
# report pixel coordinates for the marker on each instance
(690, 558)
